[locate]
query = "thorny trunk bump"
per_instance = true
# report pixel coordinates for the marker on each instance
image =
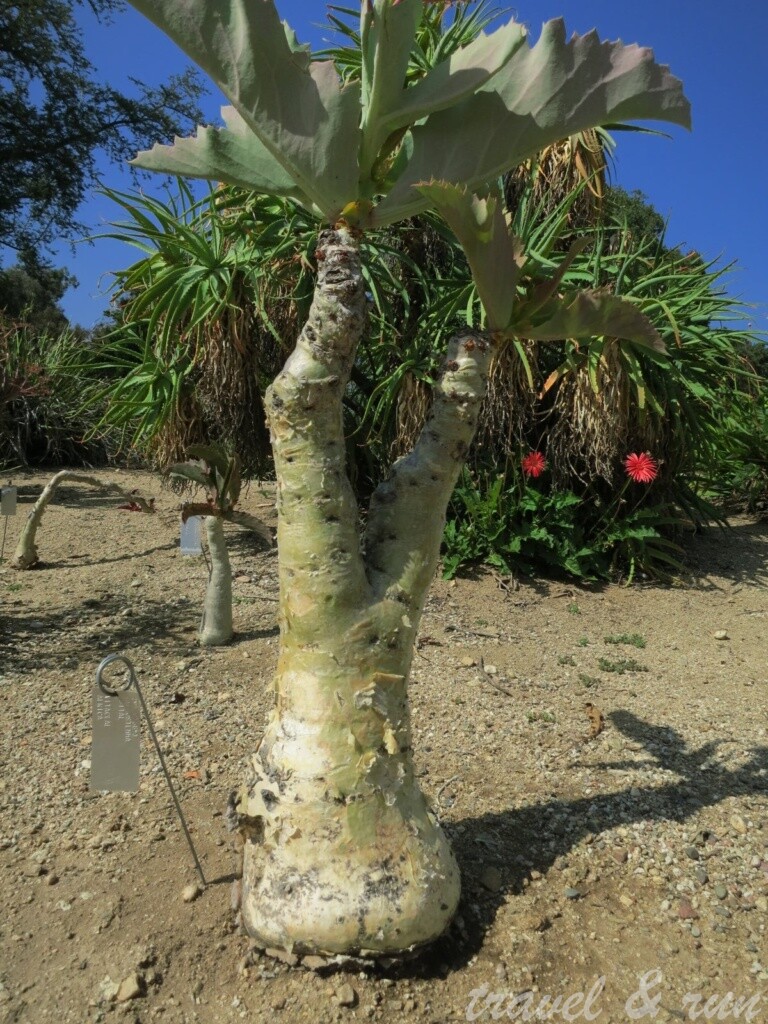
(342, 853)
(216, 626)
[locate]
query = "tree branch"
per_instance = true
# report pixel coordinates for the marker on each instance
(407, 512)
(318, 531)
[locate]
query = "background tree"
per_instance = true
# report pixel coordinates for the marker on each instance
(633, 210)
(31, 292)
(55, 117)
(219, 474)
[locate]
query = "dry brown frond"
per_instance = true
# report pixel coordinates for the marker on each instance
(589, 422)
(593, 424)
(557, 171)
(508, 410)
(414, 400)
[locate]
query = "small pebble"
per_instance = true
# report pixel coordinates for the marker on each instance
(721, 634)
(190, 892)
(346, 995)
(491, 879)
(720, 891)
(132, 987)
(686, 912)
(692, 852)
(572, 894)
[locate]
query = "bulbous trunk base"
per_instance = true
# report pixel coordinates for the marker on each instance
(367, 876)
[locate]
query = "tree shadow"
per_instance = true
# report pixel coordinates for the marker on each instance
(84, 558)
(738, 553)
(70, 637)
(242, 635)
(528, 839)
(81, 496)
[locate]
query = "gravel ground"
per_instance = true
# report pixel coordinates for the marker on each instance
(599, 756)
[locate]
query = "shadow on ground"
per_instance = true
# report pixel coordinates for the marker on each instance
(66, 638)
(531, 838)
(739, 553)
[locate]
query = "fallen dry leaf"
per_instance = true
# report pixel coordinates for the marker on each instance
(596, 720)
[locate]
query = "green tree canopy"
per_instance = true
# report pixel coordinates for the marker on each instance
(635, 211)
(31, 292)
(55, 118)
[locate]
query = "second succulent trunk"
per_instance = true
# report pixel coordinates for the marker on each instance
(216, 625)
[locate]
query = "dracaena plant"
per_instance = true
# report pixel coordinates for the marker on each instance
(342, 853)
(219, 474)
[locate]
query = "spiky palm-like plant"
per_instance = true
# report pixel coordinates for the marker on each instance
(342, 854)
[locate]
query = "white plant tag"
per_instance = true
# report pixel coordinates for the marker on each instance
(8, 501)
(190, 536)
(116, 725)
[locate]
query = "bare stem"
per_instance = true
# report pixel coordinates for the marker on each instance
(407, 513)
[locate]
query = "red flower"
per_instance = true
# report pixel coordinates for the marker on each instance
(641, 467)
(534, 464)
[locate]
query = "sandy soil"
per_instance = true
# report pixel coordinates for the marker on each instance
(596, 851)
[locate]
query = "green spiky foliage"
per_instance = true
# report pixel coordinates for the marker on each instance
(42, 422)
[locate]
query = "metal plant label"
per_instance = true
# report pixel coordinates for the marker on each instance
(116, 722)
(8, 501)
(190, 536)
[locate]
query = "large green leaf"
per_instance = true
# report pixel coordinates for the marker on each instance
(187, 471)
(213, 454)
(387, 31)
(541, 95)
(301, 112)
(461, 75)
(233, 154)
(480, 227)
(587, 313)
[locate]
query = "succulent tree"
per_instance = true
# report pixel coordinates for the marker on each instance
(26, 555)
(342, 853)
(219, 474)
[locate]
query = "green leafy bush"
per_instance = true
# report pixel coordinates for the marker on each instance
(41, 392)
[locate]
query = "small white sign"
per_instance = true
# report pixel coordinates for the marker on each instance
(115, 741)
(8, 501)
(190, 536)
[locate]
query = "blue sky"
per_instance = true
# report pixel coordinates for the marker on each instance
(711, 184)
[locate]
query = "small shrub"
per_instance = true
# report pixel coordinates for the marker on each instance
(620, 666)
(588, 681)
(632, 639)
(41, 398)
(541, 716)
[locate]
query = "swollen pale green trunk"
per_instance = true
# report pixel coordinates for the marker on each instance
(216, 625)
(342, 853)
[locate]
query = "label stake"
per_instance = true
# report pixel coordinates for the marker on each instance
(132, 681)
